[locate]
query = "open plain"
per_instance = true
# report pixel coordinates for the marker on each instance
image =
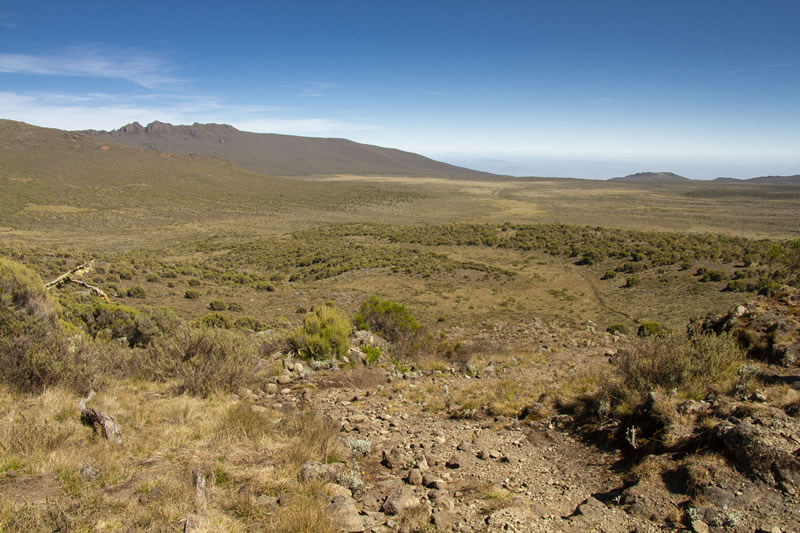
(514, 356)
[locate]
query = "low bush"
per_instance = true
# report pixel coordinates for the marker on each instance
(325, 334)
(248, 322)
(393, 322)
(372, 354)
(650, 329)
(632, 281)
(215, 320)
(35, 351)
(137, 291)
(693, 364)
(617, 329)
(191, 294)
(217, 305)
(203, 360)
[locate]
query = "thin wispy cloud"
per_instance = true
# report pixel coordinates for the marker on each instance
(314, 88)
(303, 126)
(143, 68)
(103, 111)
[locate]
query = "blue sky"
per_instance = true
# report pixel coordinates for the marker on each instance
(594, 88)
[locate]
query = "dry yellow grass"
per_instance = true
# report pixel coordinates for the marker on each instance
(64, 464)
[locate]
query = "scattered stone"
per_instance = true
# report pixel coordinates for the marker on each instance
(393, 459)
(398, 500)
(283, 379)
(454, 462)
(312, 470)
(344, 514)
(334, 489)
(433, 482)
(444, 520)
(267, 502)
(591, 506)
(272, 388)
(414, 476)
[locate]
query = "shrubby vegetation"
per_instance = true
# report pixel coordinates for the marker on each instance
(35, 350)
(203, 360)
(391, 321)
(324, 334)
(692, 365)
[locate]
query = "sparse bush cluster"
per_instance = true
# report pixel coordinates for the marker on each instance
(391, 321)
(693, 365)
(35, 350)
(203, 360)
(325, 334)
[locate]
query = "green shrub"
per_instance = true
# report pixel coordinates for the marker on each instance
(264, 286)
(617, 329)
(137, 291)
(388, 319)
(34, 350)
(393, 322)
(203, 360)
(610, 274)
(693, 364)
(739, 285)
(248, 322)
(217, 305)
(325, 333)
(235, 307)
(650, 329)
(194, 282)
(191, 294)
(215, 320)
(631, 282)
(372, 354)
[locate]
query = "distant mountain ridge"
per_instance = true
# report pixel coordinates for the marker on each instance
(652, 177)
(773, 180)
(281, 155)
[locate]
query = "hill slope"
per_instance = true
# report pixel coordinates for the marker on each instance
(652, 177)
(281, 155)
(56, 179)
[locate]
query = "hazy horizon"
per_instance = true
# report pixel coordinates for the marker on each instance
(583, 89)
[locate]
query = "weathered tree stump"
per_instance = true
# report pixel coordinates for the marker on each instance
(98, 419)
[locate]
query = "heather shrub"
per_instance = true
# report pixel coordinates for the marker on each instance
(35, 351)
(693, 365)
(217, 305)
(203, 360)
(391, 321)
(215, 320)
(650, 329)
(325, 334)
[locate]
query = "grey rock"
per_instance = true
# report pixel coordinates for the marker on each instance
(398, 500)
(344, 514)
(414, 477)
(267, 502)
(591, 506)
(444, 520)
(453, 462)
(312, 470)
(272, 388)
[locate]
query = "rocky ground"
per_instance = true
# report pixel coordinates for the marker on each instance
(417, 460)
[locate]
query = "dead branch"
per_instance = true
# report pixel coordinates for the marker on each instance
(69, 277)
